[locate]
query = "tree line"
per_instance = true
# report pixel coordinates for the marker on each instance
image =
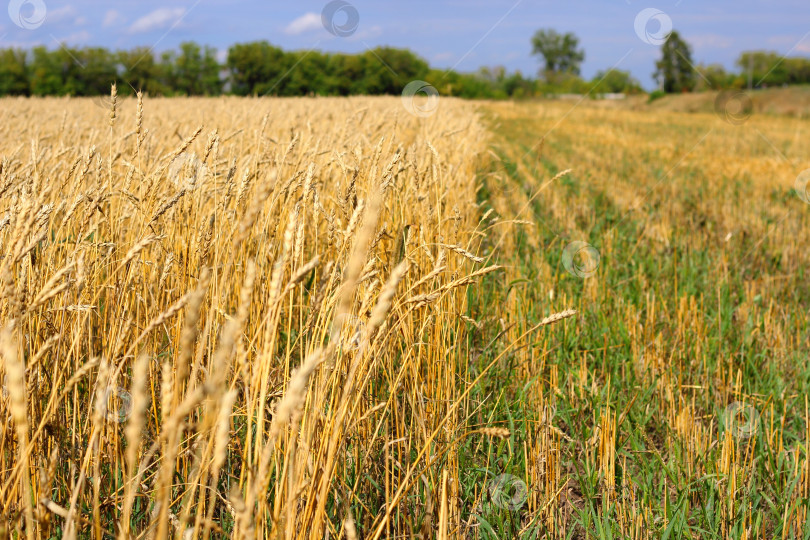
(256, 68)
(260, 68)
(675, 71)
(757, 69)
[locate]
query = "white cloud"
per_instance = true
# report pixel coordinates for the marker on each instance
(222, 55)
(60, 14)
(304, 23)
(156, 20)
(80, 21)
(112, 18)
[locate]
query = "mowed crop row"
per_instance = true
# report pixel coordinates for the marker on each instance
(679, 401)
(241, 317)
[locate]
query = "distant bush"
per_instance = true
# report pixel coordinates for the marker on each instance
(615, 81)
(655, 94)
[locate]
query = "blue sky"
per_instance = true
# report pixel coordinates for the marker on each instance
(464, 34)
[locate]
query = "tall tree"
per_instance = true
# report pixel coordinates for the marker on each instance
(97, 71)
(45, 73)
(140, 71)
(674, 72)
(765, 68)
(713, 77)
(194, 71)
(255, 68)
(560, 52)
(389, 70)
(13, 76)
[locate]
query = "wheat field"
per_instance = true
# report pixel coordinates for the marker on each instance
(330, 318)
(236, 317)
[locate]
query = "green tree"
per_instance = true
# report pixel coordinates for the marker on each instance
(305, 72)
(713, 77)
(67, 71)
(798, 70)
(346, 74)
(518, 86)
(388, 70)
(560, 52)
(500, 84)
(13, 72)
(255, 68)
(674, 71)
(453, 83)
(564, 83)
(140, 71)
(96, 70)
(767, 68)
(45, 73)
(194, 71)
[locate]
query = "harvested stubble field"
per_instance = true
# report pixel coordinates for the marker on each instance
(681, 395)
(309, 318)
